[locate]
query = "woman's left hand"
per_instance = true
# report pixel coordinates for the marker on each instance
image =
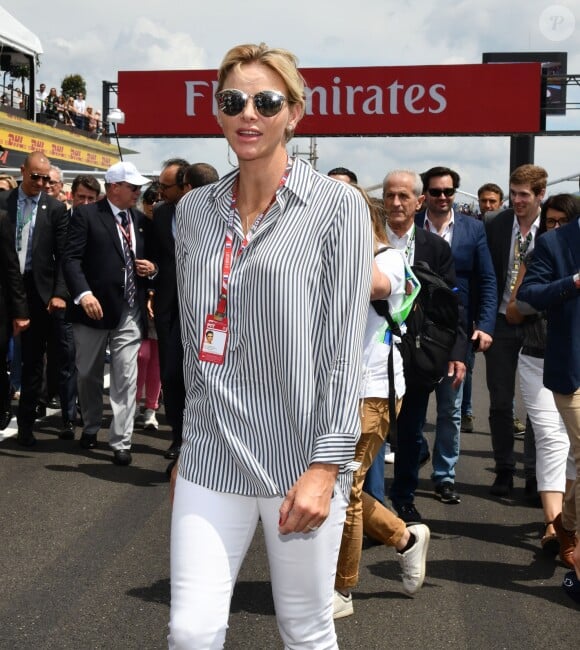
(307, 504)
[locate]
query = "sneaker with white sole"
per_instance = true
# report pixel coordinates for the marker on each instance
(149, 420)
(342, 605)
(414, 560)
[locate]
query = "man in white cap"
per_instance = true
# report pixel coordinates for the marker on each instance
(107, 271)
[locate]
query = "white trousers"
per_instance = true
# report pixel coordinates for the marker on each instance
(554, 462)
(210, 535)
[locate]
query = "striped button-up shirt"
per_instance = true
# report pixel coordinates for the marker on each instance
(286, 394)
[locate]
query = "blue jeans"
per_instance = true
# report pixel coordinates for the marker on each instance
(374, 483)
(467, 402)
(409, 441)
(446, 446)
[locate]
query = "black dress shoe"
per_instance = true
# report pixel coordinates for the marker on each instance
(40, 411)
(173, 452)
(122, 457)
(503, 484)
(408, 513)
(25, 439)
(67, 432)
(5, 417)
(88, 441)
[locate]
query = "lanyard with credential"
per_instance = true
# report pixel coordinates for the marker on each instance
(228, 245)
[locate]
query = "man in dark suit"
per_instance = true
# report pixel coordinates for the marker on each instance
(176, 179)
(510, 236)
(84, 190)
(107, 275)
(403, 197)
(552, 283)
(477, 292)
(13, 308)
(40, 230)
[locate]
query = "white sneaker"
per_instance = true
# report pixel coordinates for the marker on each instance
(149, 420)
(342, 605)
(413, 561)
(389, 455)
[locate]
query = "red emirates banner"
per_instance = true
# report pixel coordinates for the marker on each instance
(480, 99)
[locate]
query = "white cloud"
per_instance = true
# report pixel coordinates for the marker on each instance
(97, 41)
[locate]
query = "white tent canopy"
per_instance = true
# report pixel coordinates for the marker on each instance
(15, 36)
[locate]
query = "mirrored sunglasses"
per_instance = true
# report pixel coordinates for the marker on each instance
(45, 178)
(267, 102)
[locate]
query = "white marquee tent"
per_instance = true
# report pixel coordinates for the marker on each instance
(15, 37)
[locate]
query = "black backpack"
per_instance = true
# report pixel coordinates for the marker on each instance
(431, 330)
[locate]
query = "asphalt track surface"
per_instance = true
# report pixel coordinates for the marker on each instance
(84, 559)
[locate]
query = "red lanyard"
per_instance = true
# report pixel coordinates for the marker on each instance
(126, 232)
(228, 244)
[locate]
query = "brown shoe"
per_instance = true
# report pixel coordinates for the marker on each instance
(567, 539)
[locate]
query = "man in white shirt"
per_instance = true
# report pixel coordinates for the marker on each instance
(510, 236)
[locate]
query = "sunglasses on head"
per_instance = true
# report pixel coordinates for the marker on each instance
(267, 102)
(45, 178)
(448, 191)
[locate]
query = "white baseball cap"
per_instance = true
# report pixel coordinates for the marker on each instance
(125, 172)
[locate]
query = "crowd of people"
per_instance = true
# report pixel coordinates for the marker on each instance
(250, 302)
(71, 111)
(50, 105)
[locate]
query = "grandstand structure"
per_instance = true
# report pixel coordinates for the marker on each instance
(22, 129)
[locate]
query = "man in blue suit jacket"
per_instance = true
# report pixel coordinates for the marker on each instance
(552, 283)
(477, 291)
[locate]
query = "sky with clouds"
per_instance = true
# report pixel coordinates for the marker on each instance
(97, 40)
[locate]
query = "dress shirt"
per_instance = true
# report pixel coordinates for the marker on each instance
(405, 243)
(507, 292)
(446, 233)
(287, 392)
(22, 197)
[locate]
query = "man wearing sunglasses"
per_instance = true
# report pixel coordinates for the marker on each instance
(40, 232)
(107, 273)
(476, 287)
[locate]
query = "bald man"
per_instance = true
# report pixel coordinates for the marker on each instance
(40, 225)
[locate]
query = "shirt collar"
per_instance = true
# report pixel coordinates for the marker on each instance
(297, 184)
(22, 196)
(393, 237)
(116, 210)
(533, 228)
(428, 224)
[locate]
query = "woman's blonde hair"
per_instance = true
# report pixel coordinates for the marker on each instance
(280, 61)
(377, 218)
(10, 180)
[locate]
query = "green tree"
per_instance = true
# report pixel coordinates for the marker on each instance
(73, 84)
(20, 71)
